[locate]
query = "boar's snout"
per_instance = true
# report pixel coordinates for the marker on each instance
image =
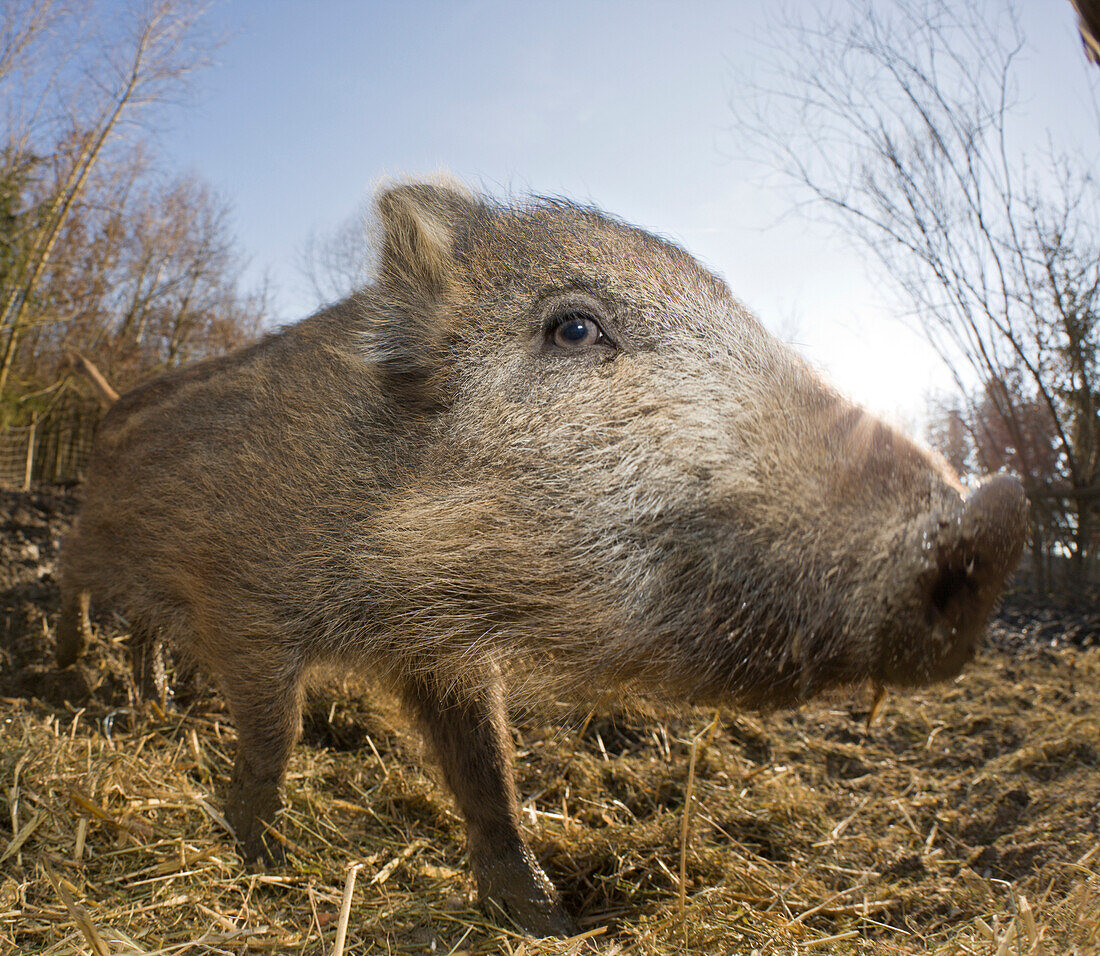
(982, 547)
(966, 556)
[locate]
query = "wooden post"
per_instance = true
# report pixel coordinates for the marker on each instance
(28, 470)
(56, 452)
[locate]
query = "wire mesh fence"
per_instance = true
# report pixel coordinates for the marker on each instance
(53, 448)
(17, 456)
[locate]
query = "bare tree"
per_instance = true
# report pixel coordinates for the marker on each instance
(146, 276)
(898, 123)
(22, 25)
(113, 67)
(949, 432)
(102, 251)
(337, 263)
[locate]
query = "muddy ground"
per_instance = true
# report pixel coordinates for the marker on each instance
(964, 819)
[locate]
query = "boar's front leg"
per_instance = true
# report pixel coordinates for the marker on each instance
(467, 729)
(266, 707)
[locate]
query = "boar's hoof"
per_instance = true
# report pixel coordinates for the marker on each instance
(250, 810)
(514, 883)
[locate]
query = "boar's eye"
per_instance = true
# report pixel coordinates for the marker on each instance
(575, 330)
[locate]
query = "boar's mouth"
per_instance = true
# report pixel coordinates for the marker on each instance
(961, 562)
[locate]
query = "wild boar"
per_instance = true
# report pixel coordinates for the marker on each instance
(542, 446)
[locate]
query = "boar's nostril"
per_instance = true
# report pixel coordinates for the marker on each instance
(954, 584)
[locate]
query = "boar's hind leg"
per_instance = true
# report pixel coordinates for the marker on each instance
(267, 711)
(467, 730)
(73, 629)
(147, 665)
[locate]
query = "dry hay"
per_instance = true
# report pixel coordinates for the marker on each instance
(966, 819)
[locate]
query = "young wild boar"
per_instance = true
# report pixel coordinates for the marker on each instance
(543, 445)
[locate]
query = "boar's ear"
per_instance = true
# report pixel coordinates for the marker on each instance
(419, 221)
(416, 271)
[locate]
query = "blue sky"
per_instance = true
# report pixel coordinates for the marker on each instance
(624, 103)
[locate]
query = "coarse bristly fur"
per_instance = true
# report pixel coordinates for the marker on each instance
(426, 482)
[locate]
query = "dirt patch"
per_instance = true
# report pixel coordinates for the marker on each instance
(965, 816)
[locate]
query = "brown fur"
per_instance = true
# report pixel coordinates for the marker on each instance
(417, 481)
